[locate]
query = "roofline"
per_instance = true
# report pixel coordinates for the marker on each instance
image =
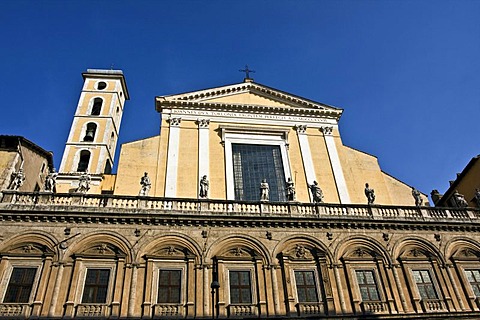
(24, 141)
(108, 74)
(454, 185)
(253, 84)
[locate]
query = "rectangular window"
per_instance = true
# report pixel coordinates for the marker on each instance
(20, 285)
(240, 287)
(169, 285)
(368, 286)
(473, 277)
(424, 284)
(253, 163)
(306, 287)
(96, 286)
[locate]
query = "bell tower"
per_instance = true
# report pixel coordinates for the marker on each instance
(93, 136)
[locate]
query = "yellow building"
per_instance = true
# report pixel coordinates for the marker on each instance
(228, 222)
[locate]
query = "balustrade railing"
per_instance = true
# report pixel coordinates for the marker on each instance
(13, 309)
(310, 308)
(206, 206)
(91, 310)
(242, 310)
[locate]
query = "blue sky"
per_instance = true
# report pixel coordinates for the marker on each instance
(406, 73)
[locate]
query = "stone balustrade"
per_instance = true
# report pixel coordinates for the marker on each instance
(242, 310)
(152, 205)
(91, 310)
(13, 309)
(310, 308)
(432, 305)
(168, 310)
(370, 307)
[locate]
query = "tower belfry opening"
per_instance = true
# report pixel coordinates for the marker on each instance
(90, 146)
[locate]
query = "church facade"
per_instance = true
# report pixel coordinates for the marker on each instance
(247, 205)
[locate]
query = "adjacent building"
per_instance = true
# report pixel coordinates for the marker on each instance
(246, 205)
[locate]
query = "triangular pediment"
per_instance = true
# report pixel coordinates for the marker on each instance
(245, 94)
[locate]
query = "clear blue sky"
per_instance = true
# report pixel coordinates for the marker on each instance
(406, 73)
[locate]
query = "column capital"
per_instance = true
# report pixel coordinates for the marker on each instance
(203, 123)
(327, 130)
(301, 128)
(175, 122)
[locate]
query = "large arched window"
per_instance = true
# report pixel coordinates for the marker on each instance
(97, 106)
(84, 160)
(90, 132)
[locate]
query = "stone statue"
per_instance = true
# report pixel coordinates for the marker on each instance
(477, 197)
(317, 193)
(204, 186)
(460, 199)
(145, 185)
(417, 196)
(18, 178)
(264, 190)
(51, 181)
(84, 183)
(290, 190)
(370, 194)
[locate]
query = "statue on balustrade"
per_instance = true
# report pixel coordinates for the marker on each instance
(317, 193)
(417, 196)
(51, 181)
(477, 197)
(17, 178)
(84, 183)
(370, 194)
(264, 190)
(460, 200)
(290, 190)
(146, 184)
(204, 186)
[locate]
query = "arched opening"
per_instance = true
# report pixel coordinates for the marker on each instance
(101, 85)
(97, 106)
(90, 132)
(84, 160)
(108, 167)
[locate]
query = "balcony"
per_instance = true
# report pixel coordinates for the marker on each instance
(242, 310)
(14, 310)
(432, 305)
(151, 210)
(374, 307)
(92, 310)
(305, 309)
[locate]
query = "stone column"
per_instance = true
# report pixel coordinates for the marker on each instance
(203, 149)
(206, 293)
(147, 302)
(336, 165)
(262, 298)
(70, 304)
(338, 281)
(56, 288)
(449, 267)
(306, 154)
(118, 288)
(399, 287)
(40, 294)
(172, 158)
(273, 270)
(190, 312)
(133, 289)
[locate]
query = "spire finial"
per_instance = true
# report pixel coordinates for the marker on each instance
(247, 73)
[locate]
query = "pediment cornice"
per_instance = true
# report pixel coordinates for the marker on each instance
(294, 104)
(250, 108)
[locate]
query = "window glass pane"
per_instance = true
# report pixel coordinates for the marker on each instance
(240, 289)
(169, 286)
(20, 285)
(299, 278)
(251, 164)
(96, 284)
(469, 275)
(369, 278)
(373, 293)
(364, 293)
(417, 277)
(426, 276)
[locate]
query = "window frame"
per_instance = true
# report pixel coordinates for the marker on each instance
(13, 262)
(95, 264)
(375, 279)
(169, 286)
(245, 135)
(316, 278)
(96, 286)
(433, 283)
(240, 287)
(169, 265)
(240, 266)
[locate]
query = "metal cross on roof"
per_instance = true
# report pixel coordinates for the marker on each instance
(247, 71)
